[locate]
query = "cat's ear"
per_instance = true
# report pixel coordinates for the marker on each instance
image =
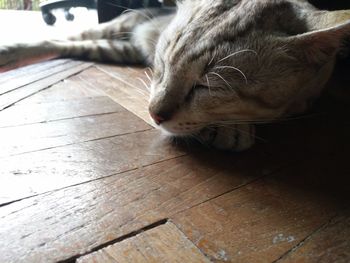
(329, 34)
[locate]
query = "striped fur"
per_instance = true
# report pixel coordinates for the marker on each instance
(219, 66)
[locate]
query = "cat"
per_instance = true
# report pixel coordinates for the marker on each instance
(219, 66)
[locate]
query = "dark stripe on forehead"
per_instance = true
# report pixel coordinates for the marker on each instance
(219, 16)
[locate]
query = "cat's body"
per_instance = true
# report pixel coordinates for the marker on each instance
(219, 66)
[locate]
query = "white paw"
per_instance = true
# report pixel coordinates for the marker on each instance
(233, 138)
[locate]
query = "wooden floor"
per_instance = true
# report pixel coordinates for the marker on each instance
(84, 177)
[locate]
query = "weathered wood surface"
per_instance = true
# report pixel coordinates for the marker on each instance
(265, 219)
(70, 89)
(164, 243)
(330, 244)
(83, 217)
(259, 222)
(36, 172)
(80, 172)
(10, 81)
(20, 91)
(45, 135)
(20, 115)
(123, 85)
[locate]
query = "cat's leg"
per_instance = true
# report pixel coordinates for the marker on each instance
(237, 138)
(104, 50)
(121, 27)
(19, 54)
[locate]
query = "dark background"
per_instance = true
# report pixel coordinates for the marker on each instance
(108, 9)
(331, 4)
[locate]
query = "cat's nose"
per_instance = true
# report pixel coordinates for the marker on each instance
(162, 109)
(160, 115)
(158, 119)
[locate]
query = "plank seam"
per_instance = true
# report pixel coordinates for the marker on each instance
(202, 252)
(75, 143)
(46, 76)
(90, 181)
(117, 240)
(306, 239)
(60, 119)
(80, 67)
(240, 186)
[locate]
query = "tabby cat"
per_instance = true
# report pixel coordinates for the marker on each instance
(219, 66)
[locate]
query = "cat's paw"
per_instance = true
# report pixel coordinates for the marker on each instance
(8, 56)
(233, 138)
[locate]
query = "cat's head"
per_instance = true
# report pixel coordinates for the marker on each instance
(221, 61)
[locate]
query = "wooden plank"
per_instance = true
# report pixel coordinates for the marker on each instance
(72, 88)
(36, 73)
(40, 136)
(10, 98)
(62, 224)
(329, 244)
(45, 112)
(22, 72)
(263, 220)
(37, 172)
(123, 87)
(130, 76)
(164, 243)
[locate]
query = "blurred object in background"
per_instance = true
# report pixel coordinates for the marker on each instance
(27, 4)
(109, 9)
(20, 4)
(47, 8)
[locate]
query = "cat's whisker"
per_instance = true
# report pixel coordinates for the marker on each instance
(150, 70)
(236, 69)
(149, 17)
(221, 77)
(267, 121)
(245, 122)
(148, 77)
(212, 59)
(236, 53)
(144, 83)
(209, 88)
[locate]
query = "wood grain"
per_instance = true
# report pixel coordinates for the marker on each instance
(37, 172)
(263, 220)
(33, 74)
(79, 180)
(41, 136)
(66, 113)
(330, 244)
(75, 220)
(164, 243)
(25, 114)
(16, 95)
(121, 85)
(72, 88)
(10, 77)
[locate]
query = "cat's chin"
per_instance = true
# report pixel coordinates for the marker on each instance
(176, 133)
(173, 132)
